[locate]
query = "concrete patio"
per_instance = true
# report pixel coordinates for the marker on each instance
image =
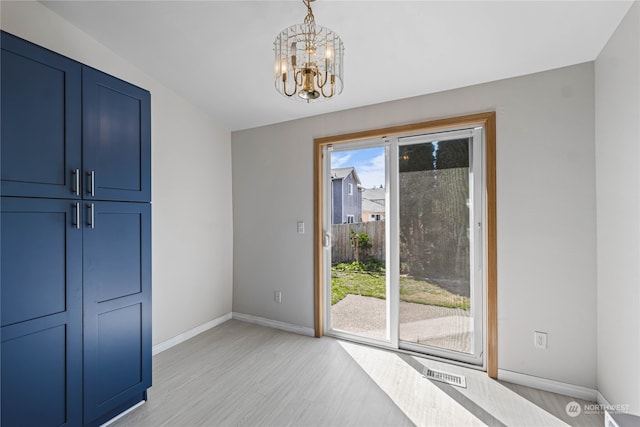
(443, 327)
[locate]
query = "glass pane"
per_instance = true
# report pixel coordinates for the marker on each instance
(434, 245)
(358, 265)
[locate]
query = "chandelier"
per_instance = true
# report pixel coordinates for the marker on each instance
(308, 60)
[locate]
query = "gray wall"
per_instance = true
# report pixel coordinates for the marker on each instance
(191, 247)
(546, 213)
(617, 83)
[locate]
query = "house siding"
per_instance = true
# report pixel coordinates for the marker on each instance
(336, 201)
(351, 203)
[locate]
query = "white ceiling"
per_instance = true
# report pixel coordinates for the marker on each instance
(219, 54)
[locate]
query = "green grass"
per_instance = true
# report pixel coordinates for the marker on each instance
(356, 283)
(373, 284)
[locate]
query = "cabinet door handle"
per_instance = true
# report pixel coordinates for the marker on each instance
(76, 179)
(92, 183)
(92, 216)
(77, 208)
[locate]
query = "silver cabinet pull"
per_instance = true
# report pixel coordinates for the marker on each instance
(76, 179)
(92, 216)
(77, 208)
(92, 185)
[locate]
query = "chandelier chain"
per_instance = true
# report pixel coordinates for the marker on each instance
(309, 19)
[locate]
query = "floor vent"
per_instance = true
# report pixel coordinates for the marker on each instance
(445, 377)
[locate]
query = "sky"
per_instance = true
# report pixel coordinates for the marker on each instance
(369, 164)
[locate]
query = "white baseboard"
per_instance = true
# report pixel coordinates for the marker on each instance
(189, 334)
(122, 414)
(576, 391)
(600, 400)
(274, 324)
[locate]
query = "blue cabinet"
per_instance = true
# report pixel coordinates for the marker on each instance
(41, 113)
(76, 240)
(76, 310)
(41, 312)
(91, 131)
(116, 138)
(117, 310)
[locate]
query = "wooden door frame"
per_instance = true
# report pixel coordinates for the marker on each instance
(488, 121)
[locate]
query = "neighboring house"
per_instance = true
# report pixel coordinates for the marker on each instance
(373, 201)
(372, 211)
(346, 196)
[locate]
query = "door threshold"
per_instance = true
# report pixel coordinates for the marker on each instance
(373, 343)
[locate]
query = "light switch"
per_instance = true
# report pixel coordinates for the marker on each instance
(300, 227)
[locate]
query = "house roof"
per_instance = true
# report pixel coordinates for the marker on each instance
(371, 206)
(374, 193)
(342, 173)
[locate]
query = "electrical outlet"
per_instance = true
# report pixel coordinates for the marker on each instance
(277, 296)
(540, 340)
(300, 226)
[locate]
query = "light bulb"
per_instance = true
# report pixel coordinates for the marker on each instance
(328, 52)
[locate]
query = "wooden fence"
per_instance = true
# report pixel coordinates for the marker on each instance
(341, 248)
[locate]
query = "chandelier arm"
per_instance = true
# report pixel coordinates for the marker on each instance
(333, 87)
(319, 81)
(297, 75)
(284, 85)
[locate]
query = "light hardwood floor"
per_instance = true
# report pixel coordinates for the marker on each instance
(240, 374)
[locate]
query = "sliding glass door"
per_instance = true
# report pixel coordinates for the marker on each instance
(440, 221)
(356, 240)
(403, 239)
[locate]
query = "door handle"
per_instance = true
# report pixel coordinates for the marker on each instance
(76, 179)
(326, 240)
(77, 208)
(92, 183)
(92, 216)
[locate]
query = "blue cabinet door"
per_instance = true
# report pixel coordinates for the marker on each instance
(117, 307)
(41, 297)
(116, 138)
(40, 122)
